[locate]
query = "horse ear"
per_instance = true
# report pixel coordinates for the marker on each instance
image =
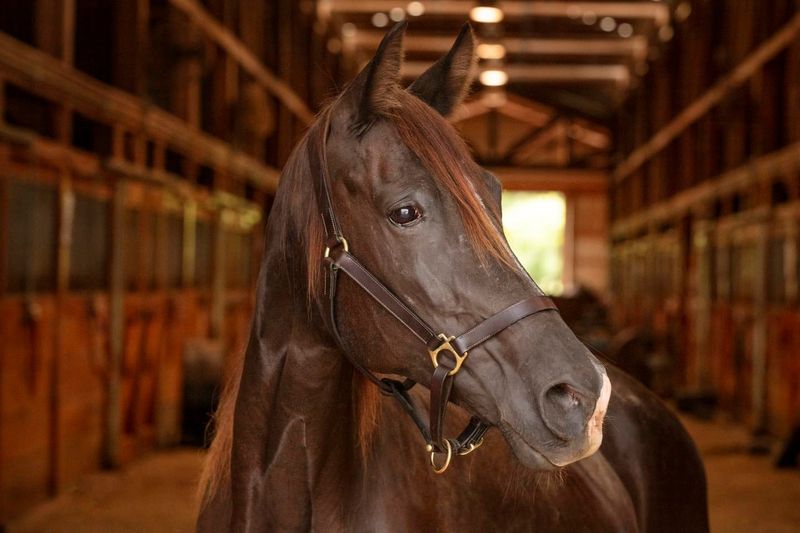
(445, 84)
(378, 81)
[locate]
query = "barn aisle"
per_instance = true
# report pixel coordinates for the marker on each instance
(745, 493)
(157, 494)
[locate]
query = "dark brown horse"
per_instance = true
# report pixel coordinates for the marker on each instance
(305, 442)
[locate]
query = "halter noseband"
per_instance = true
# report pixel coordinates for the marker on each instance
(338, 258)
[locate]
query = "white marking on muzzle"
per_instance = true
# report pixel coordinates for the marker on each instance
(594, 428)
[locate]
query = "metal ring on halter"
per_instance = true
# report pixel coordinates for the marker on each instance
(472, 447)
(342, 241)
(440, 470)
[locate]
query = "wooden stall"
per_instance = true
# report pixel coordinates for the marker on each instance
(710, 161)
(138, 156)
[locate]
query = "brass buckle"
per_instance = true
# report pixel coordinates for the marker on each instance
(441, 469)
(343, 242)
(472, 447)
(445, 345)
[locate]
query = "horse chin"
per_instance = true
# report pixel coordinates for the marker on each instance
(525, 453)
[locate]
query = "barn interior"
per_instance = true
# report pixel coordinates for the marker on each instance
(142, 141)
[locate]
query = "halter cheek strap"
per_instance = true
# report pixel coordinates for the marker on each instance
(447, 353)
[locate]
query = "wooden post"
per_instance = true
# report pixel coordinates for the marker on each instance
(130, 45)
(790, 257)
(55, 28)
(760, 436)
(113, 428)
(568, 274)
(285, 119)
(186, 75)
(218, 281)
(703, 249)
(189, 241)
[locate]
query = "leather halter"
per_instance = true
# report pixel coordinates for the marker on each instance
(339, 259)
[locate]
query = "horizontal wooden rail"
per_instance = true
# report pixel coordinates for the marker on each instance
(657, 12)
(738, 76)
(228, 41)
(546, 73)
(634, 47)
(764, 168)
(552, 179)
(46, 76)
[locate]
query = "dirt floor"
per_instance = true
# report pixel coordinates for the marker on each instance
(746, 495)
(154, 495)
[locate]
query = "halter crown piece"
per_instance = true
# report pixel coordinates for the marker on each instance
(448, 353)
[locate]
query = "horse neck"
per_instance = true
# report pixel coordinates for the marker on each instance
(293, 433)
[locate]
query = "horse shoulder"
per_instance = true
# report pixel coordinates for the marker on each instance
(655, 458)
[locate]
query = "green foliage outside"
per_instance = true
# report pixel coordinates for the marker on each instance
(534, 226)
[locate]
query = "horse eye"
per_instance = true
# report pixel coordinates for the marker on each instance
(405, 215)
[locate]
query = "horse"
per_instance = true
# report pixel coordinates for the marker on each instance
(382, 227)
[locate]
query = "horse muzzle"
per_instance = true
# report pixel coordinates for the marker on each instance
(570, 426)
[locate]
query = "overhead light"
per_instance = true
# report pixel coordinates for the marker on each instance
(494, 78)
(397, 14)
(665, 33)
(379, 20)
(573, 12)
(491, 51)
(608, 24)
(625, 30)
(486, 14)
(683, 11)
(334, 45)
(589, 17)
(415, 9)
(348, 29)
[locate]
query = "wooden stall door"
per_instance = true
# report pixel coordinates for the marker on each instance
(783, 371)
(179, 318)
(144, 330)
(27, 330)
(83, 358)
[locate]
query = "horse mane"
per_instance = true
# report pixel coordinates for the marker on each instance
(442, 151)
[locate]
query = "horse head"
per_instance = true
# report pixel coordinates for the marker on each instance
(424, 219)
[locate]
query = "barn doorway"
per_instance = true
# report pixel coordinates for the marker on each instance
(534, 224)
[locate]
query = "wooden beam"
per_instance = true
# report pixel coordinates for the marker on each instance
(551, 179)
(244, 57)
(525, 110)
(50, 78)
(636, 47)
(763, 169)
(565, 73)
(658, 13)
(738, 76)
(468, 110)
(531, 136)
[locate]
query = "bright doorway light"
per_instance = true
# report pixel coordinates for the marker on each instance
(534, 226)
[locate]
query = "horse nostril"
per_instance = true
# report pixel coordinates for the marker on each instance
(564, 395)
(566, 411)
